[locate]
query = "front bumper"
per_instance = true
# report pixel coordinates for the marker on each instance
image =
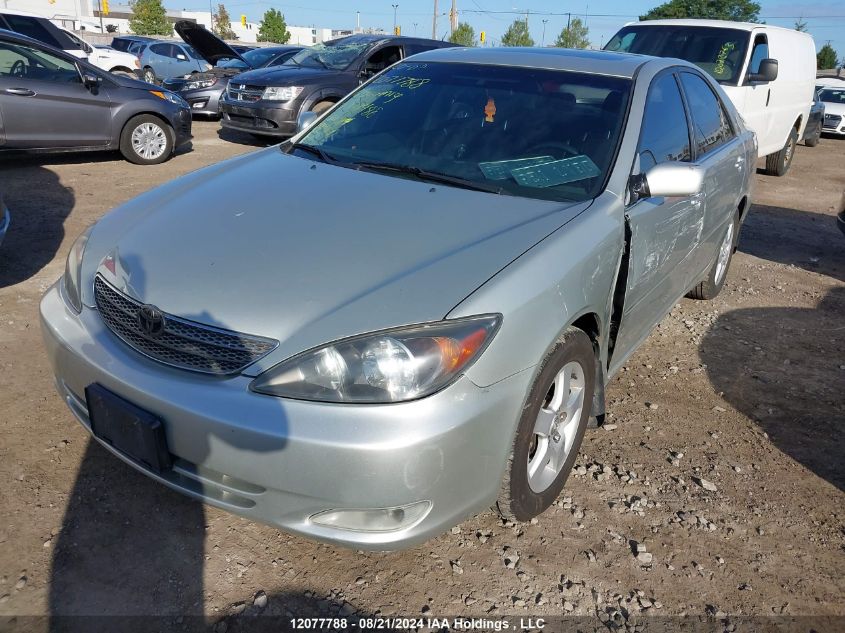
(205, 101)
(180, 119)
(260, 117)
(834, 124)
(282, 461)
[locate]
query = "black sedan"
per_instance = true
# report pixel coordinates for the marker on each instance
(203, 91)
(53, 101)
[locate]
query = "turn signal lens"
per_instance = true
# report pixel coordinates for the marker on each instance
(390, 366)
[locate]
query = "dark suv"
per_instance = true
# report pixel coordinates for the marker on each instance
(267, 102)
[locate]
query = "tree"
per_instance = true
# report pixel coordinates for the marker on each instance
(517, 34)
(826, 57)
(464, 35)
(149, 18)
(734, 10)
(574, 35)
(223, 24)
(801, 25)
(273, 28)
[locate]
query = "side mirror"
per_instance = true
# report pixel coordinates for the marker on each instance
(91, 80)
(767, 72)
(667, 180)
(305, 120)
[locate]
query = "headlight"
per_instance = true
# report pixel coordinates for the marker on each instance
(73, 266)
(283, 93)
(389, 366)
(170, 96)
(199, 83)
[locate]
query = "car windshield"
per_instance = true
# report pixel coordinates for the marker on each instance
(833, 95)
(331, 56)
(527, 132)
(256, 58)
(718, 52)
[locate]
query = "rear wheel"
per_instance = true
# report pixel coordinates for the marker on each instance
(146, 140)
(550, 429)
(777, 164)
(712, 284)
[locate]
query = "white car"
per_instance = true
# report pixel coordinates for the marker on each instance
(107, 58)
(833, 97)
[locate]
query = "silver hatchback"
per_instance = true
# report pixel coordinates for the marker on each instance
(409, 312)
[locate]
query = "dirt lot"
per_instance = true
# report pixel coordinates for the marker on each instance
(748, 388)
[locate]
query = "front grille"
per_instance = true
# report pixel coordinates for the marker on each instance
(180, 343)
(244, 92)
(832, 120)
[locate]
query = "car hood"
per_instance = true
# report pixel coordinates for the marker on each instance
(834, 108)
(305, 252)
(205, 43)
(285, 75)
(176, 83)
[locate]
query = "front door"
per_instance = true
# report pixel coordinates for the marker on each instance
(664, 232)
(757, 98)
(45, 103)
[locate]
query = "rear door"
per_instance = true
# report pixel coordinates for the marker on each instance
(45, 104)
(663, 231)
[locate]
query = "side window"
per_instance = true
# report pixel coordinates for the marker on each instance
(758, 53)
(710, 121)
(178, 50)
(24, 62)
(381, 59)
(665, 134)
(161, 49)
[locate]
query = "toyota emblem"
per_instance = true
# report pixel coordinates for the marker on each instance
(150, 320)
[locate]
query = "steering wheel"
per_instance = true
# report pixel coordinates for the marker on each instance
(18, 69)
(555, 148)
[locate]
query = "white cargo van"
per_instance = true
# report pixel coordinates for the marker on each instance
(768, 72)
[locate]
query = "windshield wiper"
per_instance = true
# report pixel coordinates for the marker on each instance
(431, 176)
(313, 149)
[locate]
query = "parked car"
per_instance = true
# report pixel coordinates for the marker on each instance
(506, 226)
(813, 130)
(834, 110)
(125, 42)
(161, 60)
(267, 101)
(52, 101)
(767, 71)
(108, 58)
(39, 28)
(5, 219)
(203, 90)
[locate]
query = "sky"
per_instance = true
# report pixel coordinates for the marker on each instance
(825, 20)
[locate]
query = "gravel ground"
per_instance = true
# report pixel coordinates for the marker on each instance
(716, 486)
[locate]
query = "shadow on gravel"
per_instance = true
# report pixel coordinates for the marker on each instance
(39, 204)
(244, 138)
(783, 368)
(811, 241)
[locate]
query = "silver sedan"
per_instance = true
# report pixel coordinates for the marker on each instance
(409, 312)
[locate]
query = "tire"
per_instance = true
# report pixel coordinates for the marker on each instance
(813, 140)
(146, 140)
(322, 106)
(522, 495)
(150, 75)
(777, 164)
(712, 284)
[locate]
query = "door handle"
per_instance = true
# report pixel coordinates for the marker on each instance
(21, 92)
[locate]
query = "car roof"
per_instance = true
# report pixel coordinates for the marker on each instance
(718, 24)
(596, 62)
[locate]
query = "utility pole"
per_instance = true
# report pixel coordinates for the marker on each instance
(395, 7)
(453, 17)
(210, 16)
(434, 22)
(543, 41)
(100, 3)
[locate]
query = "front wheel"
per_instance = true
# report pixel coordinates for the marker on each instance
(149, 75)
(712, 284)
(550, 429)
(146, 140)
(777, 164)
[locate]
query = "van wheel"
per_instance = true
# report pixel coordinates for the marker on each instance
(777, 164)
(322, 106)
(550, 430)
(146, 140)
(712, 284)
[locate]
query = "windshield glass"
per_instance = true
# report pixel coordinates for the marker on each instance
(256, 58)
(521, 131)
(332, 56)
(833, 95)
(719, 52)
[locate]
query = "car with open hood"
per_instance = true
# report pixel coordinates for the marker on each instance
(203, 91)
(267, 101)
(410, 311)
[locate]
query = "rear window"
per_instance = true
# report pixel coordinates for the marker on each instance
(718, 52)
